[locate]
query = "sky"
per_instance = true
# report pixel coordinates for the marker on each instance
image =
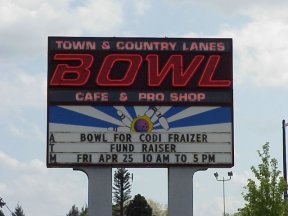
(259, 30)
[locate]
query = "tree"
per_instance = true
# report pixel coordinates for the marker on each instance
(138, 207)
(1, 213)
(84, 211)
(266, 197)
(2, 203)
(157, 208)
(115, 209)
(73, 211)
(18, 211)
(121, 190)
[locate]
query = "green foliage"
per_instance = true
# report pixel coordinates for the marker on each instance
(84, 211)
(121, 191)
(18, 211)
(115, 210)
(138, 207)
(265, 197)
(73, 211)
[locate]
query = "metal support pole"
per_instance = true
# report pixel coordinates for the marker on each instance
(99, 190)
(230, 174)
(180, 190)
(284, 156)
(224, 196)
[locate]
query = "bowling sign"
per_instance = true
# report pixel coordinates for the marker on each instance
(139, 102)
(143, 71)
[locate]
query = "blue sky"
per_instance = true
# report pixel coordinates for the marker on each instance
(259, 30)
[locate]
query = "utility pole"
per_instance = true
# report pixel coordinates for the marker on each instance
(284, 155)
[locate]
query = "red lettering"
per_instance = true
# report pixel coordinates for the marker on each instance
(206, 79)
(78, 75)
(103, 78)
(175, 62)
(67, 75)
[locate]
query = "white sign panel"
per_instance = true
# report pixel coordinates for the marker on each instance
(133, 135)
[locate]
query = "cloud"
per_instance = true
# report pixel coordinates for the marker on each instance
(260, 50)
(33, 21)
(23, 132)
(10, 163)
(141, 7)
(29, 181)
(19, 88)
(233, 7)
(3, 188)
(7, 161)
(241, 178)
(260, 47)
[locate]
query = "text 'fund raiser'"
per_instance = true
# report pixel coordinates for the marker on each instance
(140, 102)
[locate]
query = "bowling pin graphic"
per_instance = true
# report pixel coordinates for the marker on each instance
(119, 129)
(163, 122)
(150, 112)
(125, 120)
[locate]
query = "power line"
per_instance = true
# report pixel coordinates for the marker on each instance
(2, 203)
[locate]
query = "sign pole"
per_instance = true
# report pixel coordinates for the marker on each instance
(180, 190)
(284, 155)
(99, 190)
